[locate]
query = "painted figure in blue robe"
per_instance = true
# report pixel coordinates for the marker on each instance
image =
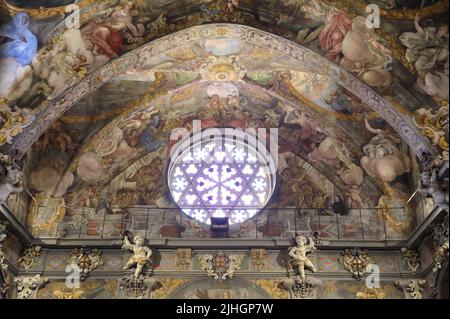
(17, 41)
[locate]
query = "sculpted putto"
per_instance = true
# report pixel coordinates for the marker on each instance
(383, 158)
(299, 253)
(10, 177)
(141, 254)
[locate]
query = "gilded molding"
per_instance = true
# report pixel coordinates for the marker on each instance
(42, 12)
(434, 125)
(30, 258)
(12, 123)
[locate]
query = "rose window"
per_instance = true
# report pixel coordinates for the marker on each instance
(221, 176)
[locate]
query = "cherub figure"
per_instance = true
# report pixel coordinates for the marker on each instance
(430, 185)
(299, 254)
(141, 254)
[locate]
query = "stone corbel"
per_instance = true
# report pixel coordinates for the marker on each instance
(301, 287)
(138, 287)
(28, 287)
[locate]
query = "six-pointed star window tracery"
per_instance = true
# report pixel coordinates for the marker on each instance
(221, 177)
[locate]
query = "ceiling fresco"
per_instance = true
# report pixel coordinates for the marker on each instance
(357, 108)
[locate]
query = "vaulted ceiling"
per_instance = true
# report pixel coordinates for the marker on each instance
(102, 100)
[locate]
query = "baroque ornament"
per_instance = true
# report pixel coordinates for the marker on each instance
(46, 212)
(413, 288)
(432, 185)
(27, 287)
(434, 125)
(440, 238)
(138, 287)
(300, 287)
(221, 266)
(3, 264)
(221, 69)
(87, 260)
(258, 259)
(355, 261)
(42, 12)
(141, 254)
(298, 254)
(184, 257)
(371, 293)
(410, 258)
(12, 123)
(4, 286)
(30, 257)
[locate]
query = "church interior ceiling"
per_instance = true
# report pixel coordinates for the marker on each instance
(88, 103)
